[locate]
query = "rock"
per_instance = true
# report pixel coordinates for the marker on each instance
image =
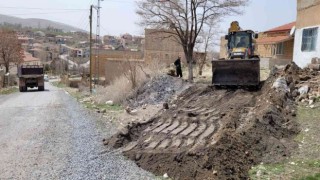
(144, 106)
(311, 101)
(273, 71)
(303, 97)
(295, 93)
(165, 106)
(174, 105)
(281, 85)
(109, 103)
(293, 113)
(138, 157)
(103, 111)
(313, 98)
(165, 176)
(292, 87)
(215, 172)
(134, 112)
(124, 131)
(289, 79)
(304, 89)
(315, 60)
(304, 78)
(312, 106)
(315, 67)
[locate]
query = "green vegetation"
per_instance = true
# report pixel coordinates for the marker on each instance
(304, 163)
(264, 171)
(103, 106)
(58, 84)
(9, 90)
(313, 177)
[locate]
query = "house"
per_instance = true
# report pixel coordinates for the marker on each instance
(275, 46)
(307, 37)
(276, 43)
(28, 59)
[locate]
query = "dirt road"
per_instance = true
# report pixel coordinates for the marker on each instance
(48, 135)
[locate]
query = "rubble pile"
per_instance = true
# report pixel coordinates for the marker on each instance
(302, 84)
(159, 89)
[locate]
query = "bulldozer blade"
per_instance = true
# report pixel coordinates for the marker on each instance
(245, 72)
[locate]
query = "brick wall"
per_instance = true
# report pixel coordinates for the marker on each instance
(160, 47)
(109, 55)
(116, 68)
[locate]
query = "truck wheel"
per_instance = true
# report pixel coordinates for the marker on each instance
(41, 88)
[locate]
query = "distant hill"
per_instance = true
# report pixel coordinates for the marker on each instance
(35, 23)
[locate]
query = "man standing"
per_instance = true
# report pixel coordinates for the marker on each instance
(177, 63)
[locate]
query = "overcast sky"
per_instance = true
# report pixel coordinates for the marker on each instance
(118, 16)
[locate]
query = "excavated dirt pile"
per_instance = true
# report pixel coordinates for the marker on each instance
(217, 134)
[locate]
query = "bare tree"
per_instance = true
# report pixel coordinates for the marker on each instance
(10, 49)
(184, 19)
(206, 42)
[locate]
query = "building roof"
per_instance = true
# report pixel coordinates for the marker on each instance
(29, 58)
(273, 40)
(286, 27)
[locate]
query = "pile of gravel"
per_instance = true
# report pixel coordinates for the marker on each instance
(157, 90)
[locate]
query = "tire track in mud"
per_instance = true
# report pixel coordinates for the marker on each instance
(210, 130)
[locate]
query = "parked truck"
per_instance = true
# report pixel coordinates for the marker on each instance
(31, 76)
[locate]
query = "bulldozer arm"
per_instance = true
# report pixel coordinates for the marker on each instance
(245, 72)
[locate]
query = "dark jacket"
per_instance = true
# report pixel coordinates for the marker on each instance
(177, 63)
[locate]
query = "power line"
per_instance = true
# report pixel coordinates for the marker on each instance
(42, 13)
(12, 7)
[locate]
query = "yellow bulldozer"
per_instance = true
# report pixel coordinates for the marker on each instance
(242, 65)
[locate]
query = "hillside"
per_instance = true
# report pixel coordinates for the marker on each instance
(35, 23)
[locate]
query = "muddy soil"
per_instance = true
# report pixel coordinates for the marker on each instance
(210, 133)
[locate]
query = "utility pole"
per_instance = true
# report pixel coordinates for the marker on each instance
(90, 19)
(97, 62)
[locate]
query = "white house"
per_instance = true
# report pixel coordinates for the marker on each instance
(307, 33)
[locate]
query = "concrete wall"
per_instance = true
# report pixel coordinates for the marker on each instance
(308, 13)
(302, 59)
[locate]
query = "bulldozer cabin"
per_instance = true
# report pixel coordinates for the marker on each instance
(242, 65)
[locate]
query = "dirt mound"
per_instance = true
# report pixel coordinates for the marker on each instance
(216, 134)
(159, 89)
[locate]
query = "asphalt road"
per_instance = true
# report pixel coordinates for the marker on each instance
(48, 135)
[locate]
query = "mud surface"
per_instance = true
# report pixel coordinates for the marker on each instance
(209, 133)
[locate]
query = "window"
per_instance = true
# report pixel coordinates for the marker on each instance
(309, 39)
(279, 49)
